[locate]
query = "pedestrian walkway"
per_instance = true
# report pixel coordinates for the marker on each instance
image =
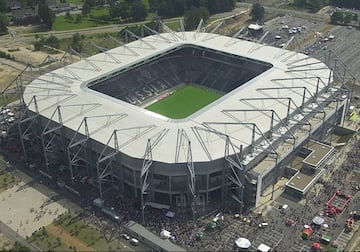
(298, 247)
(23, 209)
(269, 196)
(345, 236)
(271, 238)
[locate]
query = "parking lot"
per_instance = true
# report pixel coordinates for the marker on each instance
(281, 29)
(272, 238)
(344, 45)
(316, 39)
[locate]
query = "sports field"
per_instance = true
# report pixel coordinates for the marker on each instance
(184, 102)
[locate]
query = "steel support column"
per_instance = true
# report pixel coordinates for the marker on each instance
(105, 161)
(26, 126)
(144, 174)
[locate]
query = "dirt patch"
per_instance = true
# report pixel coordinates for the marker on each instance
(27, 55)
(3, 189)
(7, 74)
(231, 26)
(67, 238)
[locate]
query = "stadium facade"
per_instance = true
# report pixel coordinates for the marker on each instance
(90, 121)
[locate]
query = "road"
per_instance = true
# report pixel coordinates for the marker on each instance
(30, 36)
(241, 8)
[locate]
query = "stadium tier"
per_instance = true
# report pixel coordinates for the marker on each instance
(90, 123)
(183, 64)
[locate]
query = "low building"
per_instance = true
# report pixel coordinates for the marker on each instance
(24, 16)
(14, 5)
(60, 7)
(313, 166)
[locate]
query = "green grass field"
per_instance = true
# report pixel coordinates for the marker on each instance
(184, 102)
(63, 24)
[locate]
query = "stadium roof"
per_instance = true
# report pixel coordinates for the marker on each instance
(205, 130)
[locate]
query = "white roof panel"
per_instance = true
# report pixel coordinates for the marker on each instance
(66, 87)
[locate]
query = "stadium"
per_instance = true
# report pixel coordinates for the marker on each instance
(183, 119)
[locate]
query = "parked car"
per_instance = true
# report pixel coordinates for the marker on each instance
(125, 236)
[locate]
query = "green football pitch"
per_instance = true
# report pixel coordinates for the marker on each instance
(184, 102)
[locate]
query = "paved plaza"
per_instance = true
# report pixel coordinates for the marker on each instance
(25, 209)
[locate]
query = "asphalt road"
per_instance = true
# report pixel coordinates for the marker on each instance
(117, 27)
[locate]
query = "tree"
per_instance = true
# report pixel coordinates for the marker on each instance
(39, 42)
(120, 9)
(77, 44)
(172, 8)
(138, 10)
(337, 17)
(346, 3)
(78, 18)
(30, 3)
(228, 5)
(53, 41)
(315, 5)
(91, 3)
(46, 15)
(300, 3)
(68, 16)
(166, 9)
(257, 12)
(192, 17)
(355, 17)
(179, 8)
(4, 22)
(3, 6)
(348, 17)
(86, 8)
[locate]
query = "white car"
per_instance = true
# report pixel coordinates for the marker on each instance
(125, 236)
(10, 119)
(263, 225)
(134, 242)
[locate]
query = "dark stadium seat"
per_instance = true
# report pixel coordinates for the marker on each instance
(188, 64)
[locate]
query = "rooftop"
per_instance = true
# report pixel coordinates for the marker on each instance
(302, 181)
(318, 153)
(66, 89)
